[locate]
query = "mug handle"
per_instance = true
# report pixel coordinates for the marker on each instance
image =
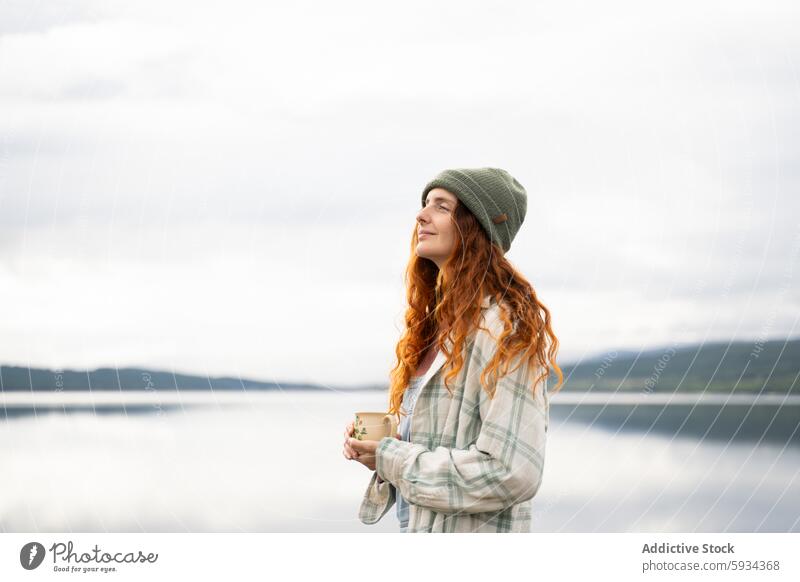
(392, 422)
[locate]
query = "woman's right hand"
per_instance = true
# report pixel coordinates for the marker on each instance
(348, 451)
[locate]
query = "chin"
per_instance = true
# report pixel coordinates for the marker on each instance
(422, 254)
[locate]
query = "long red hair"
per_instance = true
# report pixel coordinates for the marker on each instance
(447, 303)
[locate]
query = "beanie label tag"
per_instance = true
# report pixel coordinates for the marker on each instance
(500, 218)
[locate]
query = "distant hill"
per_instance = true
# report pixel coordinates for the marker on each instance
(715, 367)
(16, 378)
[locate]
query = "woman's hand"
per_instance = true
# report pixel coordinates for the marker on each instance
(348, 452)
(365, 452)
(361, 451)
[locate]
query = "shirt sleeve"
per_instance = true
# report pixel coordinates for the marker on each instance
(502, 468)
(378, 499)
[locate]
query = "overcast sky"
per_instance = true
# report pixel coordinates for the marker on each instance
(232, 189)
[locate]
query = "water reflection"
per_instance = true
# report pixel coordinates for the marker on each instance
(272, 462)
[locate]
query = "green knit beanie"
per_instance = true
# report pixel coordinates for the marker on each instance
(496, 199)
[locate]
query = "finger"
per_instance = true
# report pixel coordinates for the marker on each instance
(357, 447)
(351, 451)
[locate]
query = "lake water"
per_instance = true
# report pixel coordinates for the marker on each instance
(272, 462)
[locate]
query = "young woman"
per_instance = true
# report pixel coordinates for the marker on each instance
(471, 376)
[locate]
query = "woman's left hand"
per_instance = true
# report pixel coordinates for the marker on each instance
(365, 451)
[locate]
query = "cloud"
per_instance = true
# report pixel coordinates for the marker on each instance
(157, 146)
(22, 17)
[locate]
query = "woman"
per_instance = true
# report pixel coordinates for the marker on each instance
(470, 453)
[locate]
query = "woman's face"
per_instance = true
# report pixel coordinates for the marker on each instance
(436, 230)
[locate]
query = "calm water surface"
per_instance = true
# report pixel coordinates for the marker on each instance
(272, 462)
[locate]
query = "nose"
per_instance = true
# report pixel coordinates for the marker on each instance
(422, 217)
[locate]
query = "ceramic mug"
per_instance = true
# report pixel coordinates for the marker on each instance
(373, 426)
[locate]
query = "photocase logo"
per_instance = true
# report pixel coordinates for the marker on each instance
(66, 559)
(31, 555)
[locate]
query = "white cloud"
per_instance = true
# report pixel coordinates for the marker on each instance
(278, 152)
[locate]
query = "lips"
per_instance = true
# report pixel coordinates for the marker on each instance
(424, 233)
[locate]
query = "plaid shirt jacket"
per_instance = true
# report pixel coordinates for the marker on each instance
(473, 464)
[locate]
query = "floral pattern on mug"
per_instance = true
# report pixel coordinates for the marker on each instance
(358, 429)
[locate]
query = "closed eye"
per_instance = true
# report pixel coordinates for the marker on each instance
(440, 206)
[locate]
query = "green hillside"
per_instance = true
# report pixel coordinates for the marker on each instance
(769, 367)
(747, 367)
(16, 378)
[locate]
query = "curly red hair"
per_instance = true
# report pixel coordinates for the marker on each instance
(447, 303)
